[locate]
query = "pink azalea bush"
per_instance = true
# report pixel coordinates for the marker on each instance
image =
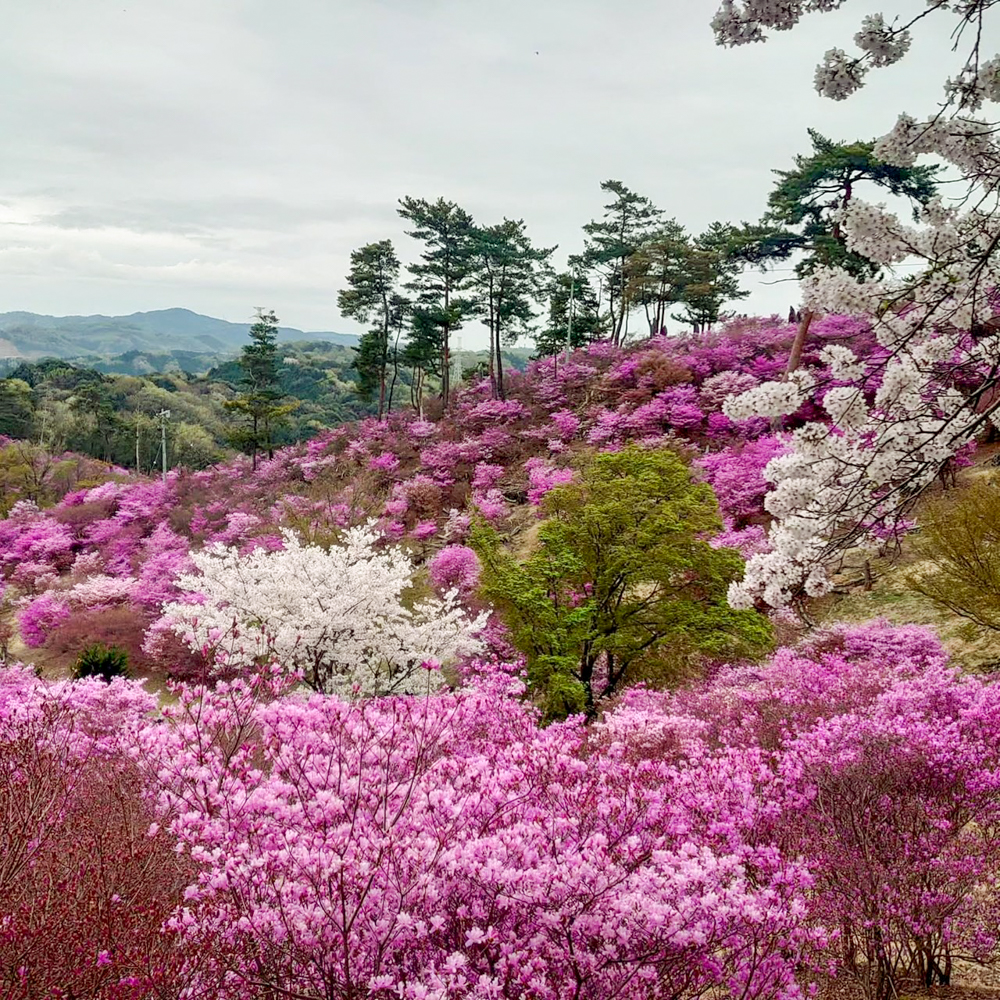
(455, 567)
(831, 809)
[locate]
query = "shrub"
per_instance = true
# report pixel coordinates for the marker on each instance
(98, 660)
(960, 536)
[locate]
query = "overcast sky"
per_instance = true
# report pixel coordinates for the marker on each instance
(224, 154)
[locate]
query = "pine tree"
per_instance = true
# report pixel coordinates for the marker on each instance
(439, 280)
(628, 223)
(260, 400)
(709, 276)
(804, 208)
(508, 277)
(557, 332)
(655, 274)
(371, 296)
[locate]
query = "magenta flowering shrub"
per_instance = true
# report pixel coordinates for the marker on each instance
(736, 474)
(86, 884)
(433, 869)
(887, 776)
(565, 424)
(542, 478)
(492, 412)
(424, 530)
(487, 476)
(385, 462)
(40, 616)
(491, 504)
(455, 567)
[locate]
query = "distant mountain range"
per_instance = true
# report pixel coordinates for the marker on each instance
(30, 336)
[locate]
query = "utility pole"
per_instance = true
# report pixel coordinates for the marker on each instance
(569, 317)
(164, 416)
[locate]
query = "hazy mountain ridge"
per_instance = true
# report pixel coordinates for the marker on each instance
(31, 335)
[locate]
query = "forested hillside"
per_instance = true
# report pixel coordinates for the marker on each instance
(109, 409)
(30, 336)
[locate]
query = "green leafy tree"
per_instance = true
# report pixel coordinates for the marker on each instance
(440, 278)
(629, 222)
(507, 278)
(586, 326)
(421, 354)
(17, 409)
(371, 296)
(97, 410)
(260, 401)
(622, 585)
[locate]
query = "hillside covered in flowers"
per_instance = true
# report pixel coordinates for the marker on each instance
(107, 557)
(346, 766)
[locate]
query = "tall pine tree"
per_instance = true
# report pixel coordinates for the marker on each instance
(628, 223)
(261, 396)
(558, 330)
(372, 295)
(709, 276)
(804, 210)
(655, 273)
(507, 278)
(440, 278)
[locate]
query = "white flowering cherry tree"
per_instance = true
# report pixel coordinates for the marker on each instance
(896, 429)
(337, 617)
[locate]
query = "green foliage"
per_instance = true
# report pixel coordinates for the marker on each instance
(587, 325)
(803, 207)
(371, 296)
(960, 539)
(260, 402)
(656, 275)
(29, 472)
(622, 585)
(628, 223)
(709, 276)
(438, 280)
(98, 660)
(507, 277)
(17, 408)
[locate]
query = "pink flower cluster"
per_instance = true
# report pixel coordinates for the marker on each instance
(832, 809)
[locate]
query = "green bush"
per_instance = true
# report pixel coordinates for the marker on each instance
(101, 661)
(960, 539)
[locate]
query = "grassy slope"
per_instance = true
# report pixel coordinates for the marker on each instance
(891, 597)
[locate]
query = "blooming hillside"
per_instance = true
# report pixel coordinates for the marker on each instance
(386, 835)
(101, 562)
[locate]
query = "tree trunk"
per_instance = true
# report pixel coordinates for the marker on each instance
(800, 339)
(493, 369)
(445, 369)
(395, 372)
(500, 388)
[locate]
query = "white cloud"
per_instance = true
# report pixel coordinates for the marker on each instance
(227, 154)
